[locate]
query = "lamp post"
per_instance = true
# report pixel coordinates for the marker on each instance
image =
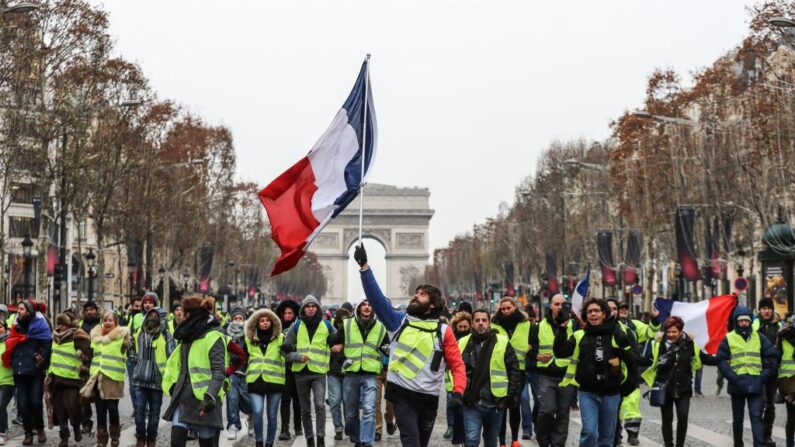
(185, 277)
(27, 245)
(92, 265)
(21, 8)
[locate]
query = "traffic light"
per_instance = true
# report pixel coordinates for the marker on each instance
(57, 277)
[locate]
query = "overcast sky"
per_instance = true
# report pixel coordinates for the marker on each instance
(467, 93)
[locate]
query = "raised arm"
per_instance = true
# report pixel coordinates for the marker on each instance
(381, 304)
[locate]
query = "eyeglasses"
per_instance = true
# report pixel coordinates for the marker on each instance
(593, 311)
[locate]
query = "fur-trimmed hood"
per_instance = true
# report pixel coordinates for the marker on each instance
(115, 334)
(253, 321)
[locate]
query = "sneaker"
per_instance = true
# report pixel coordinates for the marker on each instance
(514, 443)
(377, 436)
(250, 427)
(633, 440)
(527, 436)
(284, 436)
(231, 433)
(3, 439)
(449, 433)
(390, 428)
(338, 436)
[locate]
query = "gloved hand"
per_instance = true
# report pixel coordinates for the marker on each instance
(207, 405)
(456, 401)
(360, 255)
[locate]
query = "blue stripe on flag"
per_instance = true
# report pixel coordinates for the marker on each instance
(664, 307)
(354, 106)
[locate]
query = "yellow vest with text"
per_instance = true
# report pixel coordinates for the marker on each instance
(746, 357)
(64, 361)
(519, 340)
(546, 340)
(498, 375)
(316, 349)
(199, 366)
(108, 359)
(413, 349)
(159, 346)
(363, 355)
(270, 365)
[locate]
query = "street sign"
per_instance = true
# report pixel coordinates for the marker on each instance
(108, 275)
(741, 284)
(637, 289)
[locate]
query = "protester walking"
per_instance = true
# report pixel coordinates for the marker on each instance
(265, 374)
(154, 344)
(109, 343)
(195, 375)
(237, 398)
(6, 386)
(462, 327)
(786, 377)
(91, 318)
(335, 377)
(287, 311)
(747, 361)
(306, 346)
(768, 324)
(420, 350)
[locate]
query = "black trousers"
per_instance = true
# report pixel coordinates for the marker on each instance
(790, 427)
(682, 410)
(513, 416)
(289, 396)
(769, 412)
(415, 420)
(107, 411)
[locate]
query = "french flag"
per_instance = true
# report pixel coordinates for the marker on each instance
(706, 320)
(302, 200)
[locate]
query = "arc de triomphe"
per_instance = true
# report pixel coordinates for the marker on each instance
(396, 217)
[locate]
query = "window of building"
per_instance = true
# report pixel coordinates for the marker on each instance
(23, 193)
(21, 227)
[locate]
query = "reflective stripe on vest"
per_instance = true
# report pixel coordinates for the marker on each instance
(746, 355)
(546, 340)
(159, 346)
(270, 365)
(498, 375)
(413, 349)
(108, 359)
(317, 349)
(199, 367)
(787, 366)
(363, 355)
(519, 340)
(6, 374)
(650, 375)
(571, 372)
(64, 361)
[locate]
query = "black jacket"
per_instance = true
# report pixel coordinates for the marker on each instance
(552, 370)
(477, 360)
(673, 367)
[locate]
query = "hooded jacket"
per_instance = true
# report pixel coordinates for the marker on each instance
(260, 386)
(746, 384)
(284, 305)
(365, 326)
(312, 323)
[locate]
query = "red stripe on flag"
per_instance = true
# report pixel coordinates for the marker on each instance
(718, 315)
(288, 202)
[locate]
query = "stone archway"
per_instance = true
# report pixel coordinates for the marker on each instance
(396, 217)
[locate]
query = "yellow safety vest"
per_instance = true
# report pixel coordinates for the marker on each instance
(498, 375)
(413, 349)
(571, 372)
(746, 357)
(650, 375)
(108, 359)
(546, 340)
(519, 340)
(270, 365)
(64, 361)
(199, 366)
(6, 374)
(317, 349)
(787, 366)
(159, 345)
(363, 355)
(642, 331)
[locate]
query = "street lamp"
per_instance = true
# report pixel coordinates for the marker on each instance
(92, 265)
(27, 245)
(21, 8)
(782, 22)
(131, 102)
(668, 119)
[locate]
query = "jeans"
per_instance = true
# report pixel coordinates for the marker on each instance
(755, 406)
(312, 389)
(697, 380)
(30, 396)
(359, 391)
(257, 409)
(148, 399)
(237, 400)
(6, 394)
(554, 406)
(479, 419)
(530, 412)
(107, 409)
(599, 414)
(415, 420)
(203, 432)
(335, 401)
(682, 410)
(130, 367)
(449, 414)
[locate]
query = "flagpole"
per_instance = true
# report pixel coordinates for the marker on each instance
(364, 144)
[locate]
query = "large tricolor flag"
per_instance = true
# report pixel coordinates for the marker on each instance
(705, 320)
(302, 200)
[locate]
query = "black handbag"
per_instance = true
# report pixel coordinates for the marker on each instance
(657, 394)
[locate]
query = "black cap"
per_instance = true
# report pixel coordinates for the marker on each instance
(766, 302)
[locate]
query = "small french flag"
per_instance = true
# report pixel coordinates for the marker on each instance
(302, 200)
(706, 320)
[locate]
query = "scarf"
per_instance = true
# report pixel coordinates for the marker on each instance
(510, 321)
(59, 336)
(194, 327)
(235, 329)
(264, 336)
(35, 329)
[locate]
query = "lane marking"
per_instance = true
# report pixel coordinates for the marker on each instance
(702, 434)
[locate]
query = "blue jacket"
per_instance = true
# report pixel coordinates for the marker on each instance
(39, 341)
(746, 384)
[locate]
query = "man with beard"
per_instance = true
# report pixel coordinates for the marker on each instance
(362, 336)
(287, 311)
(306, 346)
(494, 380)
(511, 322)
(90, 319)
(420, 349)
